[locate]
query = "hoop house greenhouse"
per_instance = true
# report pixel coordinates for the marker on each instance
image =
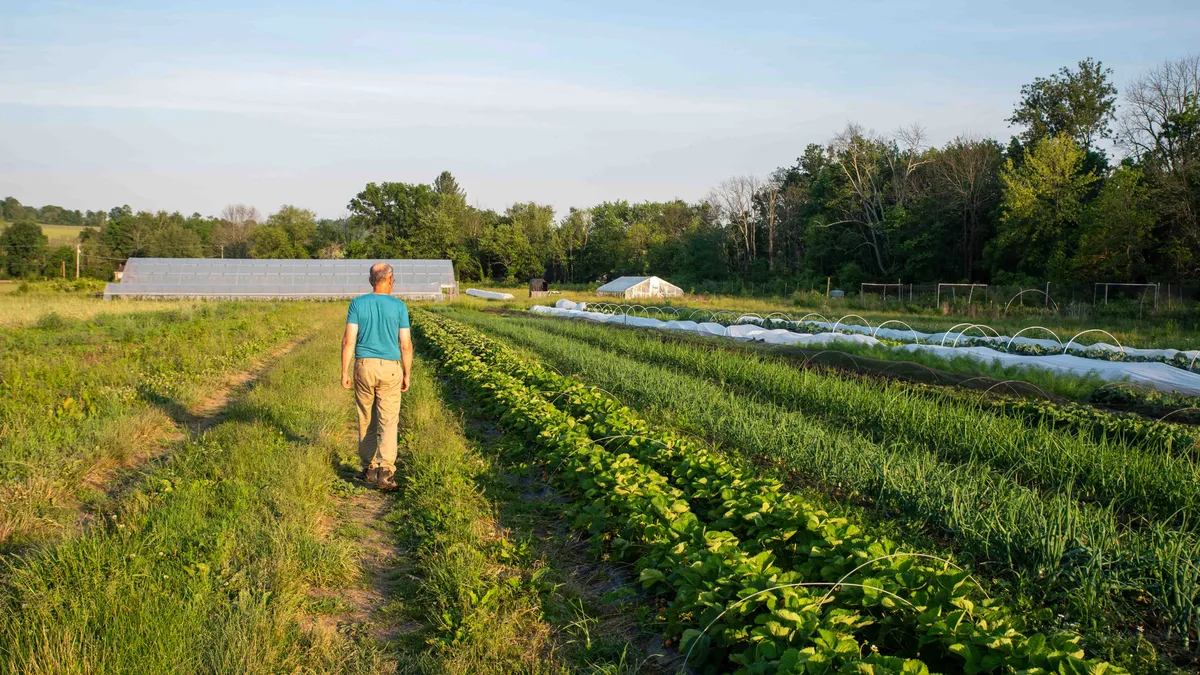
(640, 287)
(270, 279)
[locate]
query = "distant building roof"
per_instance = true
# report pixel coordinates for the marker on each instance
(621, 284)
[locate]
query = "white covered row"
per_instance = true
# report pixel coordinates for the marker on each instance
(1159, 376)
(488, 295)
(952, 338)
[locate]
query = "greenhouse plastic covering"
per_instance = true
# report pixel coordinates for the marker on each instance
(488, 295)
(1159, 376)
(241, 278)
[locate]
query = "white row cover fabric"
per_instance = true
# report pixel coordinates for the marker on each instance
(949, 339)
(1159, 376)
(488, 295)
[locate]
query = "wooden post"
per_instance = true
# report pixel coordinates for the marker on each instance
(1047, 305)
(76, 261)
(828, 285)
(64, 268)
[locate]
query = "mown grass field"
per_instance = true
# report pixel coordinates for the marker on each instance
(62, 235)
(179, 493)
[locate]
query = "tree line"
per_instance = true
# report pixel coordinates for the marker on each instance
(1097, 185)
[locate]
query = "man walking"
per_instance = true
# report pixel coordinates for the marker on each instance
(379, 344)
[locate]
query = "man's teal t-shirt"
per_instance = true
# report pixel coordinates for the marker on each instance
(380, 318)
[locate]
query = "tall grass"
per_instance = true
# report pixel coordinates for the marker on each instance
(1079, 557)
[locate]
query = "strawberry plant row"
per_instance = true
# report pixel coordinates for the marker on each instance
(939, 616)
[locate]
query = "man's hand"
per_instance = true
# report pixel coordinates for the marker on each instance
(347, 380)
(404, 383)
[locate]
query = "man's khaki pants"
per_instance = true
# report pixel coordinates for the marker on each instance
(377, 393)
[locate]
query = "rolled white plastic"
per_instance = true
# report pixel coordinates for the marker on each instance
(488, 295)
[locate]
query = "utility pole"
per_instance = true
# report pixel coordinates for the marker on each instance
(222, 251)
(76, 261)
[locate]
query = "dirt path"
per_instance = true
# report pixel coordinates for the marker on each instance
(360, 608)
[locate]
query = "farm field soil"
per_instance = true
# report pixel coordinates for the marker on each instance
(1005, 526)
(968, 374)
(682, 513)
(1178, 330)
(761, 370)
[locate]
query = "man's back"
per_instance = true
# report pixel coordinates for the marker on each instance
(379, 318)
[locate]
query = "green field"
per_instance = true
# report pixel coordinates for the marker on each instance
(62, 235)
(179, 493)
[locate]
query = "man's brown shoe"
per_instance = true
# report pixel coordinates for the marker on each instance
(387, 481)
(371, 476)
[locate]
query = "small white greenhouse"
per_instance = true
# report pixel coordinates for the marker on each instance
(640, 287)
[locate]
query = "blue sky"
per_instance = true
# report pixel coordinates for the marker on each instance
(190, 106)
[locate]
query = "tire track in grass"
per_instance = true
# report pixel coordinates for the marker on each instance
(108, 483)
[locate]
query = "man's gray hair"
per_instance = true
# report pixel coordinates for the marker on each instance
(379, 273)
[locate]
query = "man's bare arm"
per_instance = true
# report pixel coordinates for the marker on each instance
(406, 356)
(348, 340)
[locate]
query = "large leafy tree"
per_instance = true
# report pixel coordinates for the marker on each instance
(1079, 103)
(174, 240)
(24, 247)
(509, 253)
(1042, 207)
(404, 220)
(1117, 230)
(966, 180)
